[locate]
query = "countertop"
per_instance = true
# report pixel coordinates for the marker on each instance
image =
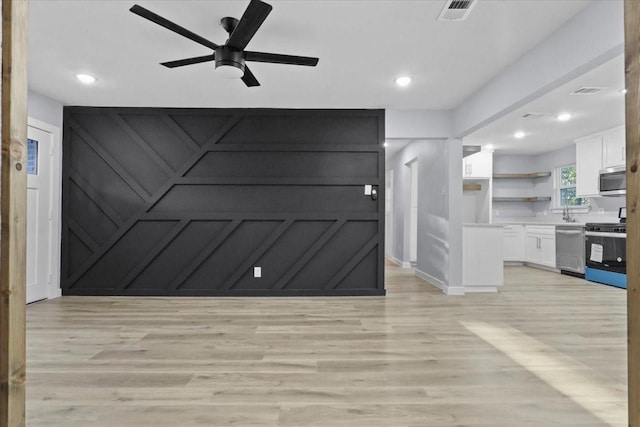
(539, 224)
(571, 224)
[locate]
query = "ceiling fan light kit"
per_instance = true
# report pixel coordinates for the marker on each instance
(229, 62)
(230, 57)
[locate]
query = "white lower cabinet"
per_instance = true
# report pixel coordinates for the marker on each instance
(540, 247)
(482, 267)
(513, 242)
(533, 248)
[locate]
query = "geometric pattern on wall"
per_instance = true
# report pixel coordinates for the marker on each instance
(188, 201)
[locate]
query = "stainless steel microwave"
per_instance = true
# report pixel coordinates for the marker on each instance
(613, 181)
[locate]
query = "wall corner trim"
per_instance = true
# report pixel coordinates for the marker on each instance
(446, 289)
(398, 262)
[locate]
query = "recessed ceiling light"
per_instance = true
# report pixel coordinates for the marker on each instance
(386, 144)
(86, 78)
(563, 117)
(623, 90)
(519, 134)
(403, 81)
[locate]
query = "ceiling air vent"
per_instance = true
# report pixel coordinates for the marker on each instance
(456, 10)
(587, 90)
(533, 115)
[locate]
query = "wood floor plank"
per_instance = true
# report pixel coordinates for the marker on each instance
(408, 359)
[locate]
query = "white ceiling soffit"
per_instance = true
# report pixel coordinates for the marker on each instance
(591, 113)
(456, 10)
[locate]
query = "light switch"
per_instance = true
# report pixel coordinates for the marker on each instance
(367, 190)
(257, 271)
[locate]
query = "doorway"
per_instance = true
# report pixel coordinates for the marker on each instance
(413, 213)
(43, 219)
(388, 213)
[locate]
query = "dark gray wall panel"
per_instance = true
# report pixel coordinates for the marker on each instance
(109, 271)
(199, 126)
(102, 180)
(265, 198)
(178, 255)
(276, 262)
(321, 128)
(79, 252)
(328, 262)
(87, 215)
(124, 151)
(161, 134)
(363, 273)
(267, 164)
(228, 257)
(189, 201)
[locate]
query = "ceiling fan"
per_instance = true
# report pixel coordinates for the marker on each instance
(230, 57)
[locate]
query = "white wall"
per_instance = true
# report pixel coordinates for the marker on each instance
(439, 257)
(44, 109)
(417, 124)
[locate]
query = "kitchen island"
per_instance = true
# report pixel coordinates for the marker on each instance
(482, 258)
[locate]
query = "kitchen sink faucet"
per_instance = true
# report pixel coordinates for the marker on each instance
(566, 215)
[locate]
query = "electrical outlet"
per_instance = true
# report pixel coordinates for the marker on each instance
(257, 271)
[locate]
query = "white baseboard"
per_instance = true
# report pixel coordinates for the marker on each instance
(480, 289)
(399, 263)
(446, 289)
(55, 293)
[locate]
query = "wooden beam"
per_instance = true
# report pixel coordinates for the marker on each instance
(632, 76)
(13, 207)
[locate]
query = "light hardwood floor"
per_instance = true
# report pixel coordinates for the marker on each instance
(549, 350)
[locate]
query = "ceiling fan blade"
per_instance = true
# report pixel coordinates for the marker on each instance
(249, 79)
(276, 58)
(251, 20)
(188, 61)
(147, 14)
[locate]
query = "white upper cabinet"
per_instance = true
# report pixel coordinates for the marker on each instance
(596, 152)
(613, 148)
(478, 165)
(588, 166)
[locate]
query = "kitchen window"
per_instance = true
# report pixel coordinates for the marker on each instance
(566, 187)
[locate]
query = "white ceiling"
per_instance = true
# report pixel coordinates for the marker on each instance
(590, 114)
(362, 46)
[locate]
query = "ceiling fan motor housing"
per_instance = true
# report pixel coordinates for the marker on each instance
(229, 56)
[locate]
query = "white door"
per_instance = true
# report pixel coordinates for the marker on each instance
(39, 224)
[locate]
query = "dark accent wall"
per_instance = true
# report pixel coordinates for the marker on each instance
(188, 201)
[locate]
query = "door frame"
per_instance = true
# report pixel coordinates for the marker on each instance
(55, 203)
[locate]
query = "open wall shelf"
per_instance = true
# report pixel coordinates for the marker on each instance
(533, 175)
(522, 199)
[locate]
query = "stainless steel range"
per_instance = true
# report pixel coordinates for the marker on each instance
(605, 253)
